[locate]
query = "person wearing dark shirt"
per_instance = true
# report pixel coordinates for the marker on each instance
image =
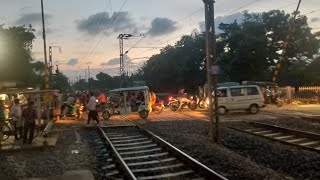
(29, 116)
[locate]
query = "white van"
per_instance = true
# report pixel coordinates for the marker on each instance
(242, 97)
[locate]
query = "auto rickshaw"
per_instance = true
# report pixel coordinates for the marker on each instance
(127, 101)
(46, 104)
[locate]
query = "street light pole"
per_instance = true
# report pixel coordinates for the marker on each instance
(212, 69)
(46, 75)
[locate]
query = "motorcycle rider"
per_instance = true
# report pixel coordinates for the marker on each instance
(181, 98)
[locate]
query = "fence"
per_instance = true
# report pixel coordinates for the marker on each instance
(301, 95)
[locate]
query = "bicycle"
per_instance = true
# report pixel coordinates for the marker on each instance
(7, 131)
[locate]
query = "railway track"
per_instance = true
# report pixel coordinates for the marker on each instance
(306, 140)
(136, 153)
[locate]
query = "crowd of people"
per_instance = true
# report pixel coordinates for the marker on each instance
(22, 120)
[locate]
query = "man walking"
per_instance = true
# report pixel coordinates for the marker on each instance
(2, 119)
(15, 113)
(91, 106)
(29, 115)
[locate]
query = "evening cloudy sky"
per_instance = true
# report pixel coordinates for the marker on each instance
(82, 27)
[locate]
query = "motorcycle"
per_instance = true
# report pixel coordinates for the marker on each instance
(201, 102)
(158, 107)
(174, 104)
(274, 99)
(70, 110)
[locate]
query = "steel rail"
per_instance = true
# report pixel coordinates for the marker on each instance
(298, 136)
(196, 165)
(120, 160)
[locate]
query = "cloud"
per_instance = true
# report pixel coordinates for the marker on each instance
(115, 61)
(32, 18)
(99, 22)
(73, 62)
(161, 26)
(315, 19)
(223, 19)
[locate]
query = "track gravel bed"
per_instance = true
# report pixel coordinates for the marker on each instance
(298, 163)
(295, 123)
(192, 138)
(66, 155)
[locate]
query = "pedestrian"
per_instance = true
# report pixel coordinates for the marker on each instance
(15, 114)
(92, 108)
(29, 116)
(152, 101)
(2, 119)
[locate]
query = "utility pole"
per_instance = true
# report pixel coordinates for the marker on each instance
(46, 75)
(286, 42)
(50, 61)
(212, 69)
(122, 71)
(85, 74)
(89, 78)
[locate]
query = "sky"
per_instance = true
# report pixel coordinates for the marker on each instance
(87, 30)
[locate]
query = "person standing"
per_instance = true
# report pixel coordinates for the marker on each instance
(15, 114)
(92, 108)
(29, 116)
(152, 101)
(181, 98)
(2, 119)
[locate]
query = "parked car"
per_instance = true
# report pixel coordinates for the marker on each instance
(242, 97)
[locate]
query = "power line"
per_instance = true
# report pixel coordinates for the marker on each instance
(110, 24)
(196, 27)
(287, 6)
(100, 20)
(184, 18)
(241, 7)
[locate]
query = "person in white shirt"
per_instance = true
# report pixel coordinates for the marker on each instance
(15, 114)
(91, 106)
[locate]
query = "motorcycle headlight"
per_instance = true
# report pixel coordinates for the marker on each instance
(207, 101)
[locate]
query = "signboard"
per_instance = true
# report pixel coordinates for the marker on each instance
(47, 97)
(215, 70)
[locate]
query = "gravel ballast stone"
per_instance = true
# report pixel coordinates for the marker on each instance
(66, 155)
(192, 138)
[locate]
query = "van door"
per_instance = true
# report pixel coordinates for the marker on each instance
(238, 98)
(254, 96)
(223, 97)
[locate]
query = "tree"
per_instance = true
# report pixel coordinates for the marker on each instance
(245, 51)
(252, 47)
(61, 82)
(15, 59)
(177, 66)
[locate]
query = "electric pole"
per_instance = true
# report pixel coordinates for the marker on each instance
(85, 74)
(122, 71)
(286, 42)
(46, 75)
(212, 69)
(89, 78)
(50, 62)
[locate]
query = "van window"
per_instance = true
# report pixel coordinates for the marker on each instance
(237, 91)
(252, 91)
(222, 93)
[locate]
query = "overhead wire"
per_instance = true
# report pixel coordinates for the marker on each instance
(176, 22)
(106, 31)
(246, 5)
(100, 22)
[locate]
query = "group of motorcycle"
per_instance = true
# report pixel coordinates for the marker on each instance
(192, 102)
(75, 110)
